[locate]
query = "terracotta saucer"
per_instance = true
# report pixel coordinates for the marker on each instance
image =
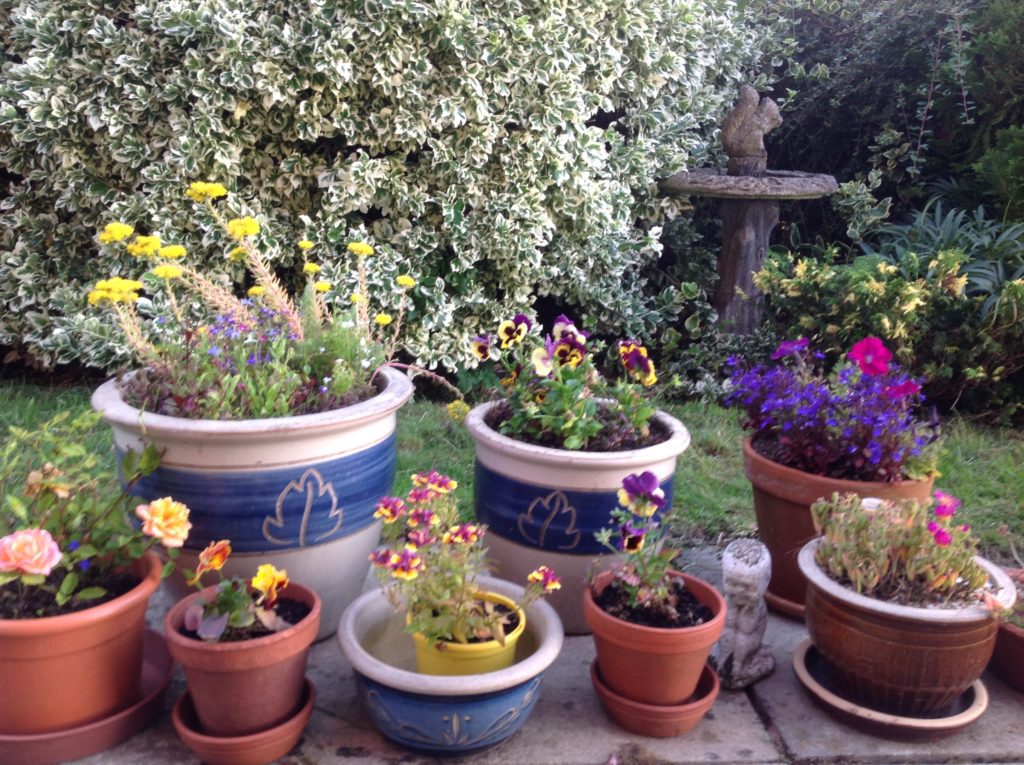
(813, 674)
(656, 720)
(71, 744)
(253, 749)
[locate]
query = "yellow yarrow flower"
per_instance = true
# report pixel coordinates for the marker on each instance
(305, 245)
(172, 252)
(256, 291)
(355, 298)
(322, 286)
(405, 282)
(311, 268)
(361, 249)
(240, 228)
(115, 290)
(167, 272)
(144, 246)
(115, 232)
(201, 191)
(382, 319)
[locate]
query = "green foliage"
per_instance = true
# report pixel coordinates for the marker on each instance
(1001, 170)
(919, 306)
(504, 149)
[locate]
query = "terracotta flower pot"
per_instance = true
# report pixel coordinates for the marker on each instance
(248, 686)
(653, 665)
(298, 492)
(542, 506)
(1008, 657)
(904, 660)
(62, 672)
(470, 658)
(782, 502)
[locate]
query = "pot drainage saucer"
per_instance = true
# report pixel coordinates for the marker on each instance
(814, 676)
(73, 743)
(250, 749)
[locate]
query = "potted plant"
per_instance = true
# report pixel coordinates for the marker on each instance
(1008, 656)
(653, 627)
(243, 645)
(75, 579)
(551, 451)
(856, 430)
(430, 567)
(899, 607)
(275, 416)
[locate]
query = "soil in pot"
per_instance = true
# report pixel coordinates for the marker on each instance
(616, 434)
(37, 602)
(292, 611)
(686, 611)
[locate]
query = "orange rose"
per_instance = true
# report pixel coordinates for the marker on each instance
(166, 520)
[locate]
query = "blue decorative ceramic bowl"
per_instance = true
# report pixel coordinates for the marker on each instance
(444, 715)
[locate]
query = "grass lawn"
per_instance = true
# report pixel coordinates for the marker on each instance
(712, 502)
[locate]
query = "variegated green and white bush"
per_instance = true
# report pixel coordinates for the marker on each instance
(504, 149)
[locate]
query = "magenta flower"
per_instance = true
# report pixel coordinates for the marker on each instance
(933, 526)
(419, 537)
(903, 389)
(871, 356)
(549, 582)
(946, 504)
(381, 557)
(422, 516)
(389, 509)
(641, 494)
(942, 537)
(790, 348)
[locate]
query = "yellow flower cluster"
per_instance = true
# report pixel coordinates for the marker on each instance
(167, 271)
(200, 191)
(144, 246)
(382, 319)
(237, 254)
(405, 282)
(172, 252)
(240, 228)
(457, 410)
(305, 245)
(115, 232)
(360, 249)
(322, 286)
(256, 291)
(115, 290)
(311, 268)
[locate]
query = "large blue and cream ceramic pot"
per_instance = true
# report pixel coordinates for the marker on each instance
(543, 506)
(297, 492)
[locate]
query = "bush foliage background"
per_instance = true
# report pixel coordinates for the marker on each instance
(504, 150)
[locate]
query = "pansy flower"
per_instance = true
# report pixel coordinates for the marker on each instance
(406, 564)
(464, 533)
(634, 358)
(570, 350)
(641, 494)
(422, 516)
(480, 345)
(547, 579)
(389, 509)
(441, 484)
(212, 558)
(267, 581)
(380, 557)
(511, 332)
(632, 537)
(419, 537)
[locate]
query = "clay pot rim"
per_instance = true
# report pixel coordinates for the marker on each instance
(188, 733)
(1006, 593)
(660, 711)
(842, 485)
(397, 390)
(63, 622)
(175, 616)
(540, 617)
(673, 446)
(718, 606)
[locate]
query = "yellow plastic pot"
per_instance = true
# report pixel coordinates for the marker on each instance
(446, 658)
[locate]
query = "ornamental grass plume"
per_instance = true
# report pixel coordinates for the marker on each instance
(206, 353)
(66, 537)
(902, 552)
(431, 561)
(861, 422)
(554, 395)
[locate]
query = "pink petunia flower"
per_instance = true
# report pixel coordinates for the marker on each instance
(871, 356)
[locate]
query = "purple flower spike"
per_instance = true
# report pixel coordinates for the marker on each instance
(790, 348)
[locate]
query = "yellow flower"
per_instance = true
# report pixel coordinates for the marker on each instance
(115, 290)
(361, 249)
(405, 282)
(115, 232)
(166, 520)
(305, 245)
(355, 298)
(256, 291)
(144, 246)
(458, 410)
(311, 268)
(267, 582)
(382, 319)
(167, 272)
(240, 228)
(212, 558)
(322, 286)
(237, 254)
(172, 252)
(201, 191)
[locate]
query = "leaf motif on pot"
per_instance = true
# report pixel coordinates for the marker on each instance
(535, 524)
(310, 490)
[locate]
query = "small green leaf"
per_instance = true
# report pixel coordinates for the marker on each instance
(32, 579)
(90, 593)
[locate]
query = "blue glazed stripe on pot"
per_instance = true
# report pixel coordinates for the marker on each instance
(278, 508)
(549, 518)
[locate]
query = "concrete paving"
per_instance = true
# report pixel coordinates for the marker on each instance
(773, 723)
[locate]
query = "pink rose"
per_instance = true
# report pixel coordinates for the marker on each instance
(871, 356)
(30, 551)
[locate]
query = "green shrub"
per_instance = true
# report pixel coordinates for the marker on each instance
(919, 306)
(1001, 171)
(504, 150)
